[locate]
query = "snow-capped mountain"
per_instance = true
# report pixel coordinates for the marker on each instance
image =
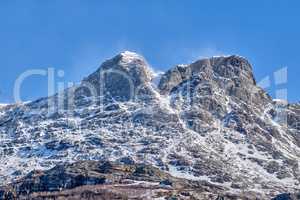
(203, 121)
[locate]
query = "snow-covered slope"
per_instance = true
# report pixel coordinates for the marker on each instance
(204, 121)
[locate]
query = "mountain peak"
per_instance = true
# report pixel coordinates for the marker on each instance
(126, 61)
(233, 67)
(125, 58)
(121, 74)
(129, 56)
(234, 63)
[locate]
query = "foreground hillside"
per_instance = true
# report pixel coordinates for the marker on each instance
(107, 180)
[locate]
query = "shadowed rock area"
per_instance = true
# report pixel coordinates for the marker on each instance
(108, 180)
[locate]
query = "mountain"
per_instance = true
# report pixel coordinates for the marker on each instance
(205, 121)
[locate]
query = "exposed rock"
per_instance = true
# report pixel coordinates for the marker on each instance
(93, 173)
(122, 77)
(109, 180)
(287, 196)
(272, 167)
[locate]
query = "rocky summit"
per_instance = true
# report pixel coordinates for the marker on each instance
(206, 130)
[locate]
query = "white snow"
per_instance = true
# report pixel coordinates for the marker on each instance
(156, 77)
(281, 101)
(180, 174)
(2, 105)
(128, 56)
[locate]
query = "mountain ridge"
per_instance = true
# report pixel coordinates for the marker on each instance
(205, 121)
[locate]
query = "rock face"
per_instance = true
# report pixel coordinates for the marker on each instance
(121, 77)
(233, 68)
(204, 121)
(111, 180)
(82, 173)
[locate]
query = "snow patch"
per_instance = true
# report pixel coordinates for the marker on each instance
(128, 56)
(156, 77)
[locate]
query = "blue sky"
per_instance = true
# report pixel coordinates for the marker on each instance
(76, 36)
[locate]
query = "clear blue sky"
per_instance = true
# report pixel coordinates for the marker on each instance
(76, 36)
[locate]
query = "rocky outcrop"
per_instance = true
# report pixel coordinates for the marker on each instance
(103, 174)
(111, 180)
(287, 196)
(233, 68)
(122, 77)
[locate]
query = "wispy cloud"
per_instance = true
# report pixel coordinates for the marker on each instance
(192, 54)
(172, 55)
(89, 58)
